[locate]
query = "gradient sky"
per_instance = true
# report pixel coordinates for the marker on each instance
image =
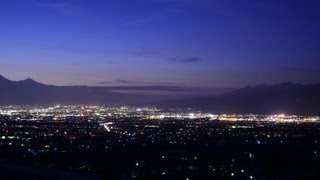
(195, 43)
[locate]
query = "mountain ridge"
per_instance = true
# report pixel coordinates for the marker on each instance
(30, 92)
(292, 98)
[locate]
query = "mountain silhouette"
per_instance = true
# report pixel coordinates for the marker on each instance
(31, 92)
(288, 98)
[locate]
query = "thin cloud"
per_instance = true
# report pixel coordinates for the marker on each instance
(186, 60)
(169, 88)
(89, 63)
(147, 88)
(124, 81)
(120, 81)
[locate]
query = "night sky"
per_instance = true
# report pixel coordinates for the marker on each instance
(193, 43)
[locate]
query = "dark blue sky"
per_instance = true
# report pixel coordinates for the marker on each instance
(197, 43)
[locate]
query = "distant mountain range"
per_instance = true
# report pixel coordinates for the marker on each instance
(31, 92)
(288, 98)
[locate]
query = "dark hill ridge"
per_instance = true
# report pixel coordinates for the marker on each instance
(30, 81)
(31, 92)
(4, 80)
(289, 98)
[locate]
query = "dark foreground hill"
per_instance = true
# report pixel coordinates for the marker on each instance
(288, 98)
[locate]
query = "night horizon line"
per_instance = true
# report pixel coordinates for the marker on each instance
(173, 85)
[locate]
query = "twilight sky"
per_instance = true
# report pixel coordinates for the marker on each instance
(194, 43)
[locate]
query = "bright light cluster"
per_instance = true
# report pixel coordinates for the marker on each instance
(58, 112)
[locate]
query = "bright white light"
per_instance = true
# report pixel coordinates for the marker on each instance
(105, 125)
(191, 115)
